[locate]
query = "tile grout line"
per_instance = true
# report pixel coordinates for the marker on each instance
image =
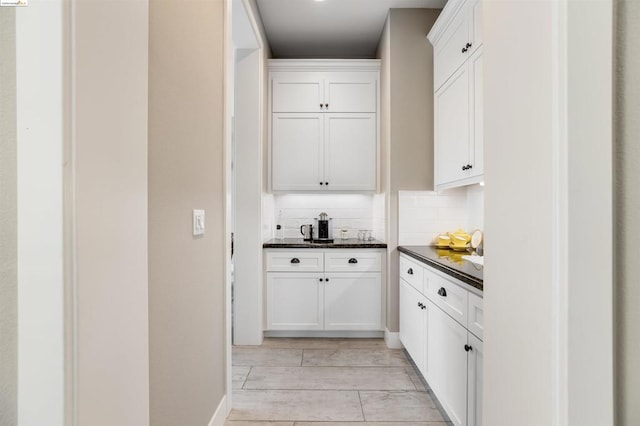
(364, 418)
(246, 378)
(331, 390)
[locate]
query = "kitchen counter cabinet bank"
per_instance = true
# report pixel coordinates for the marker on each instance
(442, 327)
(448, 262)
(351, 243)
(320, 289)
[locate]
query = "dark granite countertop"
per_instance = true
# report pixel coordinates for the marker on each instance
(448, 261)
(337, 243)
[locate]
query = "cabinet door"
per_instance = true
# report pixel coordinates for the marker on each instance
(448, 51)
(294, 301)
(351, 91)
(413, 331)
(352, 301)
(297, 152)
(297, 92)
(474, 392)
(350, 152)
(448, 363)
(475, 22)
(452, 129)
(477, 114)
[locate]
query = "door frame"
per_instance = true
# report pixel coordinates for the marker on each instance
(229, 83)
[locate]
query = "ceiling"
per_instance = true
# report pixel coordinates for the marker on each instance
(329, 28)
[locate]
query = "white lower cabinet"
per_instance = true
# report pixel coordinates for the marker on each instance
(446, 351)
(295, 301)
(475, 381)
(413, 324)
(352, 301)
(341, 292)
(434, 331)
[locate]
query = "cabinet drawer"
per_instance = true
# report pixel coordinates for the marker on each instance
(411, 272)
(476, 315)
(448, 296)
(356, 261)
(295, 261)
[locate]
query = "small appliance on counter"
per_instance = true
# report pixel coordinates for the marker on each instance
(307, 232)
(323, 229)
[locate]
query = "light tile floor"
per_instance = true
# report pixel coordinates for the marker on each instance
(321, 382)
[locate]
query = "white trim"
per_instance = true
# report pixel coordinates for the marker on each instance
(70, 222)
(220, 414)
(448, 12)
(324, 65)
(560, 258)
(227, 153)
(392, 339)
(333, 334)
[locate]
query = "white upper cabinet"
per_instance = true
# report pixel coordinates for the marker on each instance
(350, 152)
(297, 151)
(455, 36)
(324, 125)
(451, 50)
(351, 91)
(324, 91)
(475, 11)
(457, 43)
(451, 127)
(297, 92)
(476, 108)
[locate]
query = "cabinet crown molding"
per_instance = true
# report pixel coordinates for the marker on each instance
(324, 64)
(450, 9)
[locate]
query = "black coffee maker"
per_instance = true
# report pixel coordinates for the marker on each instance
(324, 229)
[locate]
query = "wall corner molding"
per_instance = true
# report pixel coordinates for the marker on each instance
(392, 339)
(220, 415)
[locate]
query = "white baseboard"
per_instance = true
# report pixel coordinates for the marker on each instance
(220, 415)
(392, 339)
(330, 334)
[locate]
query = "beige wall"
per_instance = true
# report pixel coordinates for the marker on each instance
(411, 69)
(186, 170)
(8, 222)
(111, 74)
(406, 114)
(627, 193)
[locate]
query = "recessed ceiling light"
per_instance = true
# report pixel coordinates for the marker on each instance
(319, 0)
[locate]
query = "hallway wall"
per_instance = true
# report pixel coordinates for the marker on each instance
(110, 88)
(8, 222)
(186, 171)
(628, 214)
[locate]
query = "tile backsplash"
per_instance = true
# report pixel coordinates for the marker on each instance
(348, 211)
(424, 214)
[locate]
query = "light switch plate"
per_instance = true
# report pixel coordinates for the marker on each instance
(198, 222)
